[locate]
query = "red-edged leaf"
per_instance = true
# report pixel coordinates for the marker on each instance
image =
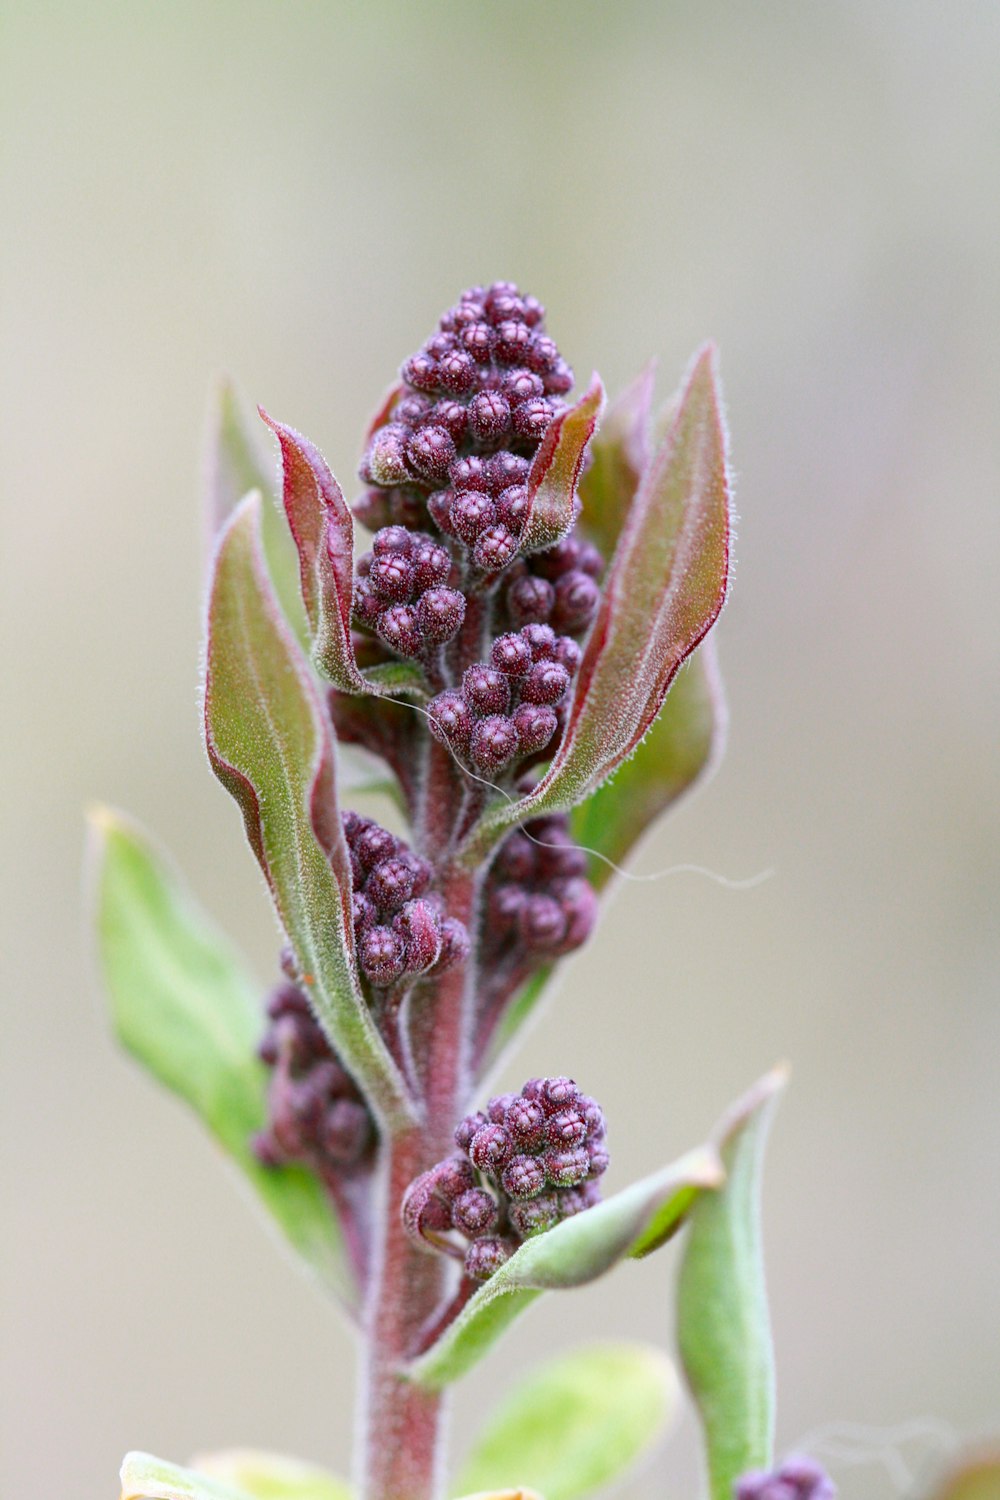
(382, 414)
(556, 468)
(269, 744)
(664, 590)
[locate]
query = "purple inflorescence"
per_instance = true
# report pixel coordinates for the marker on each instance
(797, 1478)
(538, 902)
(315, 1113)
(527, 1162)
(400, 926)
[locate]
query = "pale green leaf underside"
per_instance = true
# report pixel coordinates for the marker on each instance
(184, 1006)
(144, 1477)
(723, 1327)
(576, 1423)
(271, 1476)
(631, 1223)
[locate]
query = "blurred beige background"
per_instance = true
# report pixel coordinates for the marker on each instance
(292, 192)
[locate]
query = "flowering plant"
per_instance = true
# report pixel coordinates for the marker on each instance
(519, 662)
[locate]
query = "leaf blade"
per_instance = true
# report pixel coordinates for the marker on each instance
(183, 1005)
(577, 1423)
(555, 469)
(271, 1476)
(145, 1477)
(269, 744)
(576, 1251)
(723, 1327)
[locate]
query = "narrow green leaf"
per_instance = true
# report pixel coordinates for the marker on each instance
(184, 1006)
(619, 452)
(975, 1478)
(723, 1328)
(682, 747)
(577, 1423)
(664, 590)
(578, 1250)
(269, 743)
(235, 466)
(144, 1477)
(271, 1476)
(555, 469)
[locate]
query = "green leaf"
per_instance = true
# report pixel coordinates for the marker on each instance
(577, 1423)
(664, 590)
(144, 1477)
(269, 743)
(234, 466)
(555, 470)
(184, 1006)
(271, 1476)
(631, 1223)
(975, 1478)
(683, 746)
(723, 1328)
(619, 452)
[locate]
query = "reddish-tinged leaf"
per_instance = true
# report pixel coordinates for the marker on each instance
(382, 415)
(269, 744)
(556, 468)
(664, 590)
(619, 452)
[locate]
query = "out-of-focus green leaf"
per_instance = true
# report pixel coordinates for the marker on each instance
(664, 590)
(578, 1422)
(144, 1477)
(619, 452)
(683, 745)
(516, 1494)
(271, 1476)
(976, 1478)
(631, 1223)
(183, 1005)
(555, 470)
(723, 1327)
(269, 743)
(234, 466)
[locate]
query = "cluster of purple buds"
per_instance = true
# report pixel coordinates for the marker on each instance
(315, 1113)
(798, 1478)
(475, 403)
(525, 1164)
(400, 927)
(402, 592)
(538, 901)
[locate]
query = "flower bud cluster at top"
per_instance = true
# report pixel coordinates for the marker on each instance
(526, 1163)
(798, 1478)
(315, 1113)
(448, 500)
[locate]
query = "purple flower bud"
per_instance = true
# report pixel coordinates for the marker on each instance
(567, 1127)
(543, 355)
(577, 598)
(372, 509)
(486, 689)
(430, 451)
(568, 654)
(496, 1109)
(382, 956)
(516, 857)
(474, 1213)
(391, 576)
(535, 725)
(439, 510)
(477, 339)
(513, 342)
(421, 372)
(511, 655)
(530, 600)
(489, 416)
(593, 1116)
(385, 462)
(547, 682)
(565, 1167)
(399, 627)
(486, 1256)
(431, 564)
(590, 560)
(406, 507)
(367, 604)
(798, 1478)
(559, 380)
(525, 1122)
(455, 944)
(493, 743)
(535, 1216)
(578, 901)
(389, 540)
(541, 924)
(373, 844)
(523, 1177)
(521, 385)
(513, 504)
(468, 473)
(419, 927)
(453, 1177)
(559, 559)
(490, 1149)
(467, 1128)
(457, 372)
(504, 905)
(599, 1159)
(504, 470)
(362, 911)
(534, 312)
(557, 1093)
(450, 719)
(411, 409)
(346, 1131)
(494, 549)
(471, 513)
(532, 418)
(440, 613)
(542, 639)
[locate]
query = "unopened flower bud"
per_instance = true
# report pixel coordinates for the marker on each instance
(523, 1177)
(798, 1478)
(546, 683)
(535, 724)
(542, 639)
(493, 743)
(486, 689)
(385, 461)
(494, 549)
(419, 926)
(529, 600)
(391, 576)
(390, 540)
(526, 1124)
(489, 416)
(372, 844)
(577, 598)
(534, 1216)
(399, 627)
(345, 1132)
(430, 451)
(490, 1149)
(541, 924)
(474, 1213)
(431, 564)
(451, 719)
(455, 944)
(486, 1256)
(511, 654)
(440, 612)
(567, 1127)
(565, 1167)
(382, 956)
(471, 513)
